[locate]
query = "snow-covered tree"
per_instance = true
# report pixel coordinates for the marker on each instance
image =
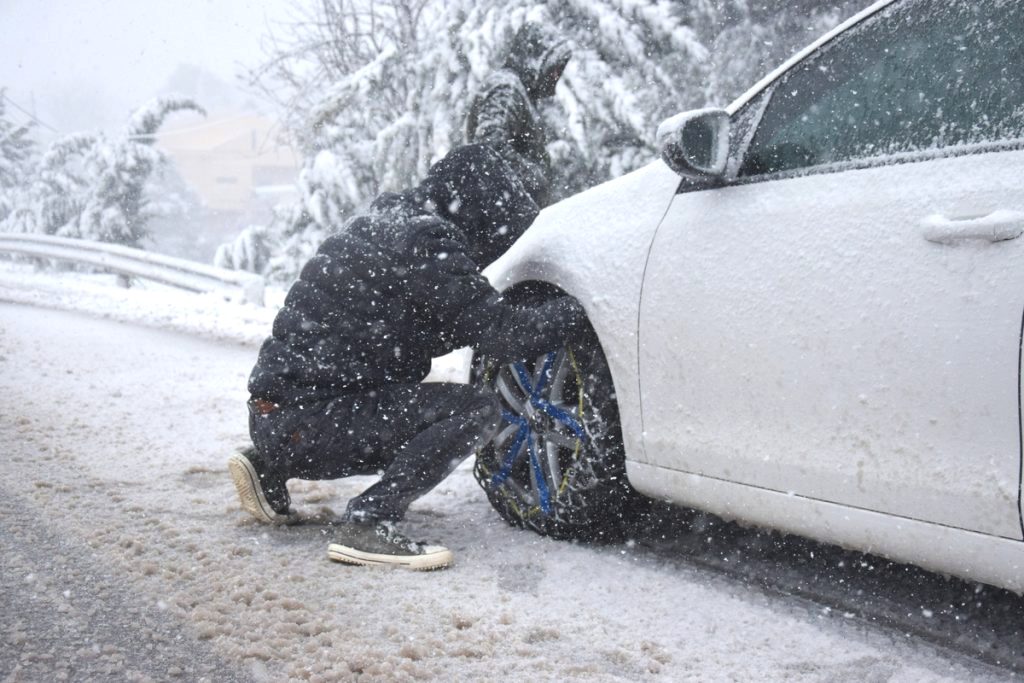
(93, 187)
(249, 251)
(57, 196)
(17, 155)
(117, 207)
(375, 92)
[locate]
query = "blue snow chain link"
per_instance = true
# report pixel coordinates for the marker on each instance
(525, 431)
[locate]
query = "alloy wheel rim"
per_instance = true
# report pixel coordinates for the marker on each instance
(542, 423)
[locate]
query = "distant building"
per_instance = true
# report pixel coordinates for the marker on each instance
(235, 164)
(239, 171)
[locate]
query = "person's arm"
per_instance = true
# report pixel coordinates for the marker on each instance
(502, 121)
(517, 333)
(474, 314)
(507, 333)
(499, 116)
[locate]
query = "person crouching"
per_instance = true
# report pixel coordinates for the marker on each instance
(336, 390)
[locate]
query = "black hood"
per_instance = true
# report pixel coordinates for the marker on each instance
(538, 55)
(474, 188)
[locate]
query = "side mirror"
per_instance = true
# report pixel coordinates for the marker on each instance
(695, 144)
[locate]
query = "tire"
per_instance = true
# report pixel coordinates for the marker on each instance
(557, 464)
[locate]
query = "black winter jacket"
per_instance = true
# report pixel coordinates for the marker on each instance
(504, 113)
(398, 286)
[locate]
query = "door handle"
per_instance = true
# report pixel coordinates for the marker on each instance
(998, 226)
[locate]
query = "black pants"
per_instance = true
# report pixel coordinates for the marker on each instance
(414, 435)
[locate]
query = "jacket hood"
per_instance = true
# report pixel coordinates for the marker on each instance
(474, 188)
(538, 55)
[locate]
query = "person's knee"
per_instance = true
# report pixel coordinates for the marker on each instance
(487, 407)
(478, 403)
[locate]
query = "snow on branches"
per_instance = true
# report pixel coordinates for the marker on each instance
(375, 92)
(17, 155)
(93, 187)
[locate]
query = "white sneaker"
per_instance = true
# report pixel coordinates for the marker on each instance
(261, 495)
(379, 544)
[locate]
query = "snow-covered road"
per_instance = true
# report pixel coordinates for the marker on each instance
(124, 555)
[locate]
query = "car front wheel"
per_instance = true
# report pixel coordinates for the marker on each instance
(556, 464)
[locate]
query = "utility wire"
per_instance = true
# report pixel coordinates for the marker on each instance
(158, 134)
(188, 129)
(29, 114)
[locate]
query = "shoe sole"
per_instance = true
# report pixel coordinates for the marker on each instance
(250, 493)
(433, 560)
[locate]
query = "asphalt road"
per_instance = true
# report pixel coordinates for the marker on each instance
(124, 556)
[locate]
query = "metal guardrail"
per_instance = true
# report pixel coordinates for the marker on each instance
(176, 272)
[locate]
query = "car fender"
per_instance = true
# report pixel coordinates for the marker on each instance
(594, 246)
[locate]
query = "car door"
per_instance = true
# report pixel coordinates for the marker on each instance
(842, 320)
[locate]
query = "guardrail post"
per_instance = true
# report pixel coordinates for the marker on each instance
(252, 292)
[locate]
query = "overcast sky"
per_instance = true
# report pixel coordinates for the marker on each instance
(83, 63)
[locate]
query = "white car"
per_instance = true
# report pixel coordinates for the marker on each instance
(807, 317)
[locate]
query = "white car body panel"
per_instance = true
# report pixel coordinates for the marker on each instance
(974, 556)
(802, 335)
(946, 495)
(594, 246)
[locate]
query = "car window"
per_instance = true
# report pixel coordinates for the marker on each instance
(741, 129)
(923, 74)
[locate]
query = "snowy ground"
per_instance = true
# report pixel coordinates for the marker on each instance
(124, 555)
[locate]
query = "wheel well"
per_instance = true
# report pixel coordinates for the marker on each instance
(590, 497)
(532, 291)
